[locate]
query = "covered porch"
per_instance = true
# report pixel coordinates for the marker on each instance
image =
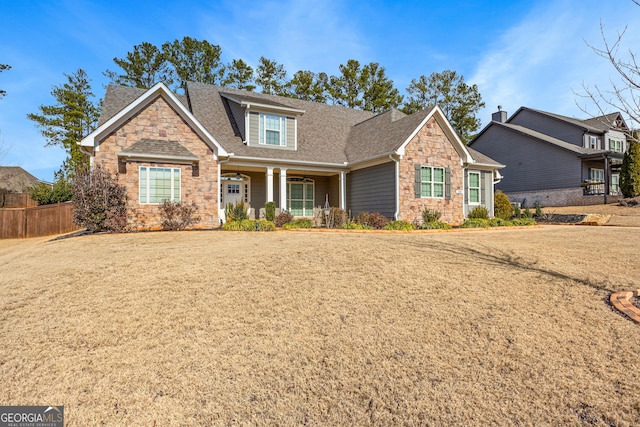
(296, 189)
(601, 175)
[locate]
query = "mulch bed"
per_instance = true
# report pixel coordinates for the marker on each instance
(560, 218)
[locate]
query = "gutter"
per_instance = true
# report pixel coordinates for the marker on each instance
(397, 165)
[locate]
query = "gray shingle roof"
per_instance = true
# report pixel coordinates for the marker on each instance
(548, 139)
(15, 179)
(118, 97)
(583, 124)
(323, 130)
(481, 158)
(161, 149)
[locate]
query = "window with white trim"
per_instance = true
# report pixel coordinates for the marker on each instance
(159, 184)
(431, 182)
(615, 145)
(474, 188)
(594, 142)
(300, 196)
(273, 130)
(615, 183)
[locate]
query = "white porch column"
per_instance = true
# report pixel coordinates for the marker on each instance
(343, 190)
(283, 189)
(269, 184)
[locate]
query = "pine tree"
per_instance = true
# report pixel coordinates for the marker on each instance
(630, 171)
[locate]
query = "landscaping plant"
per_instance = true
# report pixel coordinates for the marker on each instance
(479, 212)
(178, 215)
(399, 225)
(270, 211)
(99, 202)
(283, 218)
(502, 206)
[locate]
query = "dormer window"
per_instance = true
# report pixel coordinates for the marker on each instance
(594, 142)
(273, 129)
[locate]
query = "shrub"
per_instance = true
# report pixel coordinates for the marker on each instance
(237, 211)
(249, 225)
(299, 223)
(476, 223)
(356, 226)
(283, 218)
(177, 215)
(430, 215)
(523, 221)
(100, 203)
(436, 225)
(375, 220)
(479, 212)
(527, 213)
(270, 211)
(499, 222)
(539, 212)
(45, 194)
(630, 171)
(399, 225)
(502, 206)
(336, 219)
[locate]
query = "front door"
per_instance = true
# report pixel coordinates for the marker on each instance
(232, 191)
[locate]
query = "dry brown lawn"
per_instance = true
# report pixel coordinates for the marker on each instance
(497, 327)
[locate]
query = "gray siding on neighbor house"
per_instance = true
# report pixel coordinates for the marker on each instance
(254, 132)
(372, 189)
(531, 164)
(549, 126)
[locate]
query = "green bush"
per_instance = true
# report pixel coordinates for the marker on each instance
(499, 222)
(630, 170)
(476, 223)
(270, 211)
(399, 225)
(299, 223)
(45, 194)
(539, 212)
(237, 211)
(283, 218)
(249, 225)
(527, 213)
(436, 225)
(430, 215)
(502, 206)
(356, 226)
(374, 219)
(479, 212)
(523, 221)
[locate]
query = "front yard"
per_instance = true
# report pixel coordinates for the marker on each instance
(229, 328)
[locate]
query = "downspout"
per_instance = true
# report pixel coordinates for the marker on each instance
(397, 179)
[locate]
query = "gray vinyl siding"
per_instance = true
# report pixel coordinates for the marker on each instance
(254, 129)
(372, 189)
(531, 164)
(254, 132)
(549, 126)
(238, 116)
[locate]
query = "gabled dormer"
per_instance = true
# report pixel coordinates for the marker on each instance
(264, 123)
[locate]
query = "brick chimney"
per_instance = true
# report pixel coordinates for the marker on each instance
(499, 116)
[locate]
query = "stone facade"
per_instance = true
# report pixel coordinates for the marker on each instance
(431, 147)
(199, 183)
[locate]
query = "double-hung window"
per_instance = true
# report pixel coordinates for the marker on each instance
(474, 188)
(159, 184)
(273, 130)
(431, 182)
(594, 142)
(615, 145)
(300, 192)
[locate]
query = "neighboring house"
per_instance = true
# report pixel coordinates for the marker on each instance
(553, 159)
(14, 179)
(217, 145)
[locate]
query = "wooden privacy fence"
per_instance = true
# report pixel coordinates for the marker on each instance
(17, 200)
(37, 221)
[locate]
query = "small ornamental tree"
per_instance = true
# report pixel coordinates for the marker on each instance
(100, 203)
(502, 206)
(630, 171)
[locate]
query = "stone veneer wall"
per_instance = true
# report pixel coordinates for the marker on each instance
(199, 184)
(431, 147)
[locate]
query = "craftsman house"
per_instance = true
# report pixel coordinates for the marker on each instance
(556, 160)
(217, 145)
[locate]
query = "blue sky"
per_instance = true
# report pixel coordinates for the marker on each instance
(531, 53)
